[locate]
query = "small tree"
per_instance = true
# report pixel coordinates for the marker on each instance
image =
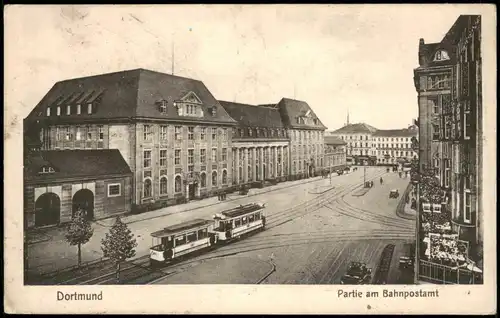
(119, 244)
(79, 232)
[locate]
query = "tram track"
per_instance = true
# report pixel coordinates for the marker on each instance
(140, 271)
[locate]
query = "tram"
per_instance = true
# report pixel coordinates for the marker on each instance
(233, 223)
(181, 239)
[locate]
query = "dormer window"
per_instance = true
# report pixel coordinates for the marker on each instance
(47, 170)
(89, 108)
(68, 110)
(163, 106)
(58, 111)
(48, 111)
(250, 132)
(78, 109)
(214, 111)
(441, 55)
(315, 120)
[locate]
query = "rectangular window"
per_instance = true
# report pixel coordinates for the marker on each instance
(467, 207)
(89, 109)
(177, 158)
(467, 132)
(89, 133)
(447, 177)
(435, 132)
(79, 133)
(48, 111)
(163, 157)
(178, 132)
(203, 155)
(214, 133)
(68, 135)
(114, 190)
(68, 110)
(224, 134)
(58, 111)
(214, 155)
(190, 133)
(190, 168)
(101, 133)
(163, 132)
(202, 133)
(224, 154)
(147, 158)
(147, 132)
(190, 156)
(78, 109)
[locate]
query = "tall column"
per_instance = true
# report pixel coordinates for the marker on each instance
(237, 165)
(254, 163)
(245, 165)
(261, 170)
(275, 159)
(282, 162)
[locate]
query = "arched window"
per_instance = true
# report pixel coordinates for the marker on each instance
(224, 177)
(163, 185)
(178, 184)
(147, 188)
(214, 178)
(203, 179)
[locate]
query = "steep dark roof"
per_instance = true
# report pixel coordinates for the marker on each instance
(332, 140)
(253, 116)
(79, 164)
(395, 133)
(356, 128)
(128, 94)
(290, 109)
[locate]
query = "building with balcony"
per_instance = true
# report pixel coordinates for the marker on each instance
(394, 146)
(360, 148)
(448, 83)
(335, 153)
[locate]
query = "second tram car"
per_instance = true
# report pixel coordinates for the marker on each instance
(181, 239)
(233, 223)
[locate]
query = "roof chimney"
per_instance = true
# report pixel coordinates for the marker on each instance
(421, 42)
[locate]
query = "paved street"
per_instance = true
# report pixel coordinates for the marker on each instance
(315, 227)
(314, 242)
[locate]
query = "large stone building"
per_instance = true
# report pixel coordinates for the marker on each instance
(394, 145)
(360, 146)
(177, 140)
(448, 83)
(275, 141)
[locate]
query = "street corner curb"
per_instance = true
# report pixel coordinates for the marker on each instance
(319, 191)
(273, 269)
(361, 192)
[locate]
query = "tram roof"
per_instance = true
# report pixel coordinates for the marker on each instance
(183, 226)
(241, 210)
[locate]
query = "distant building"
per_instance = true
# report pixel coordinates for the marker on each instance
(395, 145)
(359, 143)
(448, 82)
(335, 153)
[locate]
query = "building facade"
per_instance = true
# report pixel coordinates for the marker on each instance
(448, 83)
(360, 146)
(177, 140)
(335, 153)
(394, 145)
(59, 182)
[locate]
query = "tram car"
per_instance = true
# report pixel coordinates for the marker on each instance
(181, 239)
(232, 224)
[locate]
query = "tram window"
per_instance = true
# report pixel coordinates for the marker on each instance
(244, 220)
(237, 223)
(202, 234)
(191, 237)
(180, 240)
(250, 218)
(257, 216)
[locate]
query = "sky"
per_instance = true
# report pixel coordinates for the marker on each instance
(337, 58)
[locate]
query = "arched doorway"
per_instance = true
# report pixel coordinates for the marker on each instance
(84, 199)
(47, 209)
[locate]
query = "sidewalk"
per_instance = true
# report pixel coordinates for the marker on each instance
(56, 253)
